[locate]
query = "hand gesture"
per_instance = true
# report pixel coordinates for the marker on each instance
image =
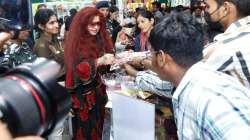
(106, 59)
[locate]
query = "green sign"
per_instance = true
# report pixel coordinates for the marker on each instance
(163, 1)
(37, 1)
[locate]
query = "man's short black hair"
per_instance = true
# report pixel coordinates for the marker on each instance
(243, 6)
(158, 5)
(113, 9)
(72, 11)
(180, 36)
(146, 14)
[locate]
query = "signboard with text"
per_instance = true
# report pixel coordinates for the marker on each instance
(175, 3)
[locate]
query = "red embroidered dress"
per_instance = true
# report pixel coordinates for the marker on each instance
(83, 75)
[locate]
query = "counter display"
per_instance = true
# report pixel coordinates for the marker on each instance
(120, 83)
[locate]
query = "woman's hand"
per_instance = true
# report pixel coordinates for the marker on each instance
(106, 59)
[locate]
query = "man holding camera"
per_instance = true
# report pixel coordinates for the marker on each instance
(4, 133)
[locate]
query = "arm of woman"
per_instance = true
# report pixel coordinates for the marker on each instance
(106, 59)
(41, 50)
(58, 55)
(87, 69)
(49, 51)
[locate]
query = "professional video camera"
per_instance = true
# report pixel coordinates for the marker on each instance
(31, 101)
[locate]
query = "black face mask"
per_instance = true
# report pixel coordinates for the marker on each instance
(215, 26)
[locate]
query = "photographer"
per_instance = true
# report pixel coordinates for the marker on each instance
(4, 132)
(24, 90)
(32, 102)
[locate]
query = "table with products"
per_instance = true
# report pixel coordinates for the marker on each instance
(121, 84)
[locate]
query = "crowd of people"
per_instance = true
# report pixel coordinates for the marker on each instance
(199, 58)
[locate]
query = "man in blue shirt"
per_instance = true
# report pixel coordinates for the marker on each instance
(207, 104)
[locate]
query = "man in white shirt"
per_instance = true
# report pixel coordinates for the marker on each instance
(230, 51)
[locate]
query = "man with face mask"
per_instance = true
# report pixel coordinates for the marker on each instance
(230, 51)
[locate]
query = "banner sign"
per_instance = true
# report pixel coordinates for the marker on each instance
(175, 3)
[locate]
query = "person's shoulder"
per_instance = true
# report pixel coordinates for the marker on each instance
(68, 19)
(158, 14)
(233, 34)
(40, 44)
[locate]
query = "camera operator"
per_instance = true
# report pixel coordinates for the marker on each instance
(32, 102)
(4, 133)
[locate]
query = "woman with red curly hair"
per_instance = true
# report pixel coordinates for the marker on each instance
(88, 50)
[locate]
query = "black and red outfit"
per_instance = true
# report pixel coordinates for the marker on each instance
(89, 94)
(83, 76)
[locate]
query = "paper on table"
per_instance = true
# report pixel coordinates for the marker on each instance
(133, 119)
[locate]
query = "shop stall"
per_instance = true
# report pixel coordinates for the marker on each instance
(61, 7)
(133, 113)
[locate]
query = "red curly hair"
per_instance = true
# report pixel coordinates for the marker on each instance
(80, 43)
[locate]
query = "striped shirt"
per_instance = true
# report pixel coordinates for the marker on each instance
(230, 52)
(149, 81)
(210, 105)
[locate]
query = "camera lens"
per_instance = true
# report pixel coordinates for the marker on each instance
(31, 101)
